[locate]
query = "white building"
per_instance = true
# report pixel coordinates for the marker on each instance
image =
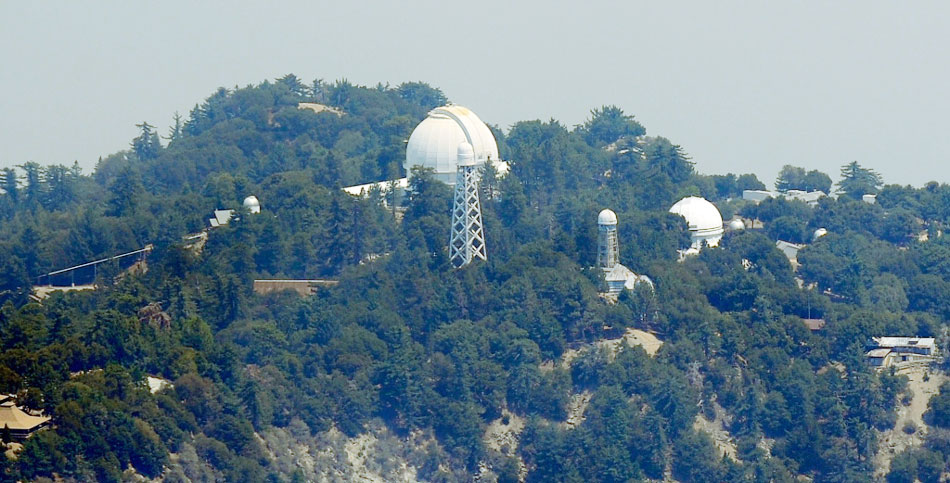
(434, 142)
(901, 351)
(790, 250)
(703, 219)
(809, 197)
(616, 276)
(384, 187)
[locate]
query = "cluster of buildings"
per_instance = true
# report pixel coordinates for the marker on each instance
(809, 197)
(223, 217)
(900, 352)
(455, 145)
(617, 277)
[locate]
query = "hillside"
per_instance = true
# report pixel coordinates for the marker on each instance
(511, 369)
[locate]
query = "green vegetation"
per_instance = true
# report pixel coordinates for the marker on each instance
(406, 339)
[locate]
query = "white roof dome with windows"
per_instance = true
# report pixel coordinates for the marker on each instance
(703, 219)
(434, 143)
(252, 204)
(607, 217)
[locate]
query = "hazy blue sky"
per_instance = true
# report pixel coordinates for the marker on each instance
(742, 86)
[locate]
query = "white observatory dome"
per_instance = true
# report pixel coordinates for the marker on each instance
(252, 204)
(703, 219)
(607, 217)
(736, 224)
(434, 143)
(819, 233)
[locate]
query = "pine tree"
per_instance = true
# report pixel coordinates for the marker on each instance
(857, 181)
(8, 181)
(177, 129)
(146, 145)
(33, 190)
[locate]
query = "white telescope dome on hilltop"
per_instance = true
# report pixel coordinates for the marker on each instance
(703, 219)
(434, 143)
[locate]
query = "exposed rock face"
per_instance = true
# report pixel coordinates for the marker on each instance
(896, 440)
(378, 455)
(153, 315)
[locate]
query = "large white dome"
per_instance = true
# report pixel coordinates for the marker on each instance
(435, 141)
(703, 218)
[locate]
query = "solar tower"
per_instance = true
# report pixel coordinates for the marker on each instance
(608, 250)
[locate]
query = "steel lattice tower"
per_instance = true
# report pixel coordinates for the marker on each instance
(468, 237)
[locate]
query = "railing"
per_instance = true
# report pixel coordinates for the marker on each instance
(146, 249)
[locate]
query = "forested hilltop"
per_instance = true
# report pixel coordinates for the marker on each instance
(432, 356)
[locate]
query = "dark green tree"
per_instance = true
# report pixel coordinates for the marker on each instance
(857, 181)
(8, 181)
(126, 193)
(422, 94)
(146, 145)
(608, 124)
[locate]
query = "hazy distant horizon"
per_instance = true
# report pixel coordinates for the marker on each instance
(742, 86)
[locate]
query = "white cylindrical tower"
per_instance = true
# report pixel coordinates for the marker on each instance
(608, 249)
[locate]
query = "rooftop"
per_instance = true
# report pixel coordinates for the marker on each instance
(18, 420)
(925, 342)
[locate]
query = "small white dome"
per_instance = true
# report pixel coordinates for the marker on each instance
(736, 224)
(635, 280)
(703, 219)
(252, 204)
(819, 233)
(434, 142)
(607, 217)
(466, 154)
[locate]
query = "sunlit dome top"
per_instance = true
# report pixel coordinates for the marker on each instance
(819, 233)
(466, 154)
(736, 224)
(252, 204)
(702, 216)
(434, 142)
(607, 217)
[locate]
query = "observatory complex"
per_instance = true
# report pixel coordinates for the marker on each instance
(616, 276)
(703, 219)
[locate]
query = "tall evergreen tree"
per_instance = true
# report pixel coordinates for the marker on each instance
(8, 181)
(146, 145)
(59, 187)
(34, 186)
(177, 129)
(857, 181)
